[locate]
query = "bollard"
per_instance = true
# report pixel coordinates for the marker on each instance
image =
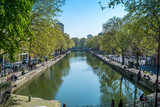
(29, 98)
(64, 105)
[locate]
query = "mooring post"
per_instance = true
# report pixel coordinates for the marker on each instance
(64, 105)
(29, 98)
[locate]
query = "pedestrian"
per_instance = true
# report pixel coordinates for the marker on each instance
(15, 77)
(8, 78)
(23, 72)
(16, 68)
(12, 77)
(34, 63)
(22, 69)
(142, 98)
(120, 103)
(148, 77)
(31, 66)
(139, 75)
(112, 105)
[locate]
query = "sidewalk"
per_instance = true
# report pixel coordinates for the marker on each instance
(153, 77)
(19, 73)
(151, 97)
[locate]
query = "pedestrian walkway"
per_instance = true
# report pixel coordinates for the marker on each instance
(19, 73)
(151, 98)
(144, 74)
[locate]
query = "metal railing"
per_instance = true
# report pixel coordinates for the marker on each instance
(148, 103)
(104, 105)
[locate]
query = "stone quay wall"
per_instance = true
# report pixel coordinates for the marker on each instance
(131, 73)
(22, 80)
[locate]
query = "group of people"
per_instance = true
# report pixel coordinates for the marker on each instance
(15, 68)
(142, 98)
(139, 76)
(33, 65)
(12, 78)
(119, 105)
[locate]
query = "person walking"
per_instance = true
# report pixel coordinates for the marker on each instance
(142, 98)
(120, 103)
(112, 105)
(139, 75)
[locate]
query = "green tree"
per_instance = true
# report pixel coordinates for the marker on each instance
(43, 25)
(82, 41)
(69, 42)
(148, 12)
(115, 38)
(93, 43)
(15, 19)
(76, 40)
(122, 42)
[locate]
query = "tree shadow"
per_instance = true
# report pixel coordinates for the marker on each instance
(12, 102)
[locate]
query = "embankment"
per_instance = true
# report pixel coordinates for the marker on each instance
(22, 80)
(131, 73)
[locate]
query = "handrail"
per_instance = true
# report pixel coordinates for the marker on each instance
(148, 103)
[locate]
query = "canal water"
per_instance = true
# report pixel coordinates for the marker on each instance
(81, 79)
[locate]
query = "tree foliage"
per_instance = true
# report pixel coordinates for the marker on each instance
(141, 25)
(30, 26)
(14, 22)
(93, 42)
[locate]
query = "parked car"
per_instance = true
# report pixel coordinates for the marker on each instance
(37, 60)
(9, 65)
(19, 65)
(25, 61)
(3, 66)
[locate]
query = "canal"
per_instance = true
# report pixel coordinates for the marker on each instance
(81, 79)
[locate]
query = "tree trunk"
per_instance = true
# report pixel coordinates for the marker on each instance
(146, 62)
(1, 64)
(120, 88)
(42, 57)
(4, 68)
(157, 73)
(137, 58)
(122, 58)
(29, 61)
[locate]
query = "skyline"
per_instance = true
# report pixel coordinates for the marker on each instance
(83, 17)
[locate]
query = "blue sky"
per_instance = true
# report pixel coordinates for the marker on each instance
(83, 17)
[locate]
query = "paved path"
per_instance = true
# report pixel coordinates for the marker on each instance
(153, 77)
(18, 74)
(151, 97)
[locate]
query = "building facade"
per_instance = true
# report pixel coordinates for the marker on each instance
(89, 36)
(61, 25)
(99, 34)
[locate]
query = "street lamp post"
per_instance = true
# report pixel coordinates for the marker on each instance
(157, 75)
(135, 92)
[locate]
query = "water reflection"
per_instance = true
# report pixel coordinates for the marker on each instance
(81, 79)
(47, 85)
(112, 84)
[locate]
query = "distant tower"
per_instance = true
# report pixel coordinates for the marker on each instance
(99, 34)
(89, 36)
(61, 25)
